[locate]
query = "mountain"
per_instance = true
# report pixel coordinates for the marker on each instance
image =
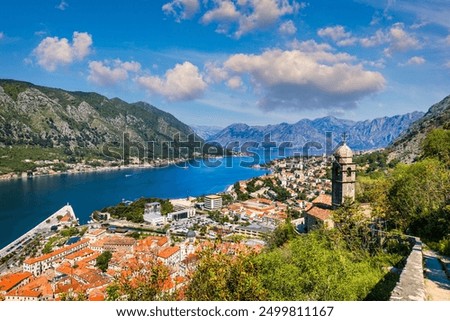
(362, 135)
(32, 115)
(407, 147)
(205, 131)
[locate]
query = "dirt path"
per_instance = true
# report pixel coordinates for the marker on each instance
(437, 285)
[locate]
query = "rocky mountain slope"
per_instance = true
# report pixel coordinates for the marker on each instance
(205, 131)
(46, 117)
(407, 147)
(362, 135)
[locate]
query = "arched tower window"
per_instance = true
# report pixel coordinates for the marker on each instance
(349, 171)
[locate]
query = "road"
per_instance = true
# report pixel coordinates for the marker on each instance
(437, 285)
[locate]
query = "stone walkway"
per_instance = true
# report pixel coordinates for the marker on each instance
(437, 284)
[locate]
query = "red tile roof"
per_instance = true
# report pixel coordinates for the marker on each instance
(319, 213)
(323, 199)
(163, 240)
(54, 253)
(168, 252)
(9, 281)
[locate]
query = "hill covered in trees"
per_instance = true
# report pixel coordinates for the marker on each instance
(60, 124)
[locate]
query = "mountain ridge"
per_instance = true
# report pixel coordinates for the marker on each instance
(33, 115)
(408, 146)
(362, 135)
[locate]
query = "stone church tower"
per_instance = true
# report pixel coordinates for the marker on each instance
(343, 175)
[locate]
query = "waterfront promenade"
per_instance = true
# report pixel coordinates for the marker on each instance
(45, 226)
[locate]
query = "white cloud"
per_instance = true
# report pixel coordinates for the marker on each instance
(287, 28)
(416, 60)
(447, 40)
(236, 17)
(183, 82)
(447, 64)
(400, 40)
(299, 79)
(62, 5)
(338, 35)
(321, 52)
(310, 46)
(377, 39)
(225, 12)
(53, 52)
(380, 63)
(235, 82)
(214, 73)
(397, 38)
(264, 13)
(419, 25)
(181, 9)
(40, 33)
(2, 35)
(107, 73)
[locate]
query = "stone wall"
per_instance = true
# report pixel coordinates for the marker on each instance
(411, 285)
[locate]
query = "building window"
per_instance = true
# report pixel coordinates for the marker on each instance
(349, 171)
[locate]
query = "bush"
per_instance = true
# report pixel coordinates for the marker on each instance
(444, 246)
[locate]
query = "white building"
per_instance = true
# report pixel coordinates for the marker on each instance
(37, 265)
(213, 202)
(152, 214)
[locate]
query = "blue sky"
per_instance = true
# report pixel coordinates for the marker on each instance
(217, 62)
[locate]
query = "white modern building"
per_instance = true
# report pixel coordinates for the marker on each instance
(152, 214)
(213, 202)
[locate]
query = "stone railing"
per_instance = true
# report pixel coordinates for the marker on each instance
(411, 286)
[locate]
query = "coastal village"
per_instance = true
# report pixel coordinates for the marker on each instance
(65, 262)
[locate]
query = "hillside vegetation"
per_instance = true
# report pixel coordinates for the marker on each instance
(408, 147)
(73, 126)
(415, 198)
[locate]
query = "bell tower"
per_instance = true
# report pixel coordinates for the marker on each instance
(343, 174)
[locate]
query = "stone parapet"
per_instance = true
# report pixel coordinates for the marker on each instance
(411, 286)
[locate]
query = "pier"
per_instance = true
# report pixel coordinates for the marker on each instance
(45, 226)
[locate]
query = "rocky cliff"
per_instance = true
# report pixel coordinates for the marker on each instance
(47, 117)
(362, 135)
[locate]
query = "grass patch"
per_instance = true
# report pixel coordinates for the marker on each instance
(12, 159)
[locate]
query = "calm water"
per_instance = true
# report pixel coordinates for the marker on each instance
(25, 203)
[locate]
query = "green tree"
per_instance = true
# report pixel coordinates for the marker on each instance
(221, 277)
(73, 296)
(317, 266)
(373, 190)
(352, 225)
(418, 190)
(283, 233)
(142, 282)
(437, 145)
(102, 261)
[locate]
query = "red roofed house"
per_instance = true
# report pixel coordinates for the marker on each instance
(317, 216)
(170, 256)
(39, 264)
(10, 281)
(38, 289)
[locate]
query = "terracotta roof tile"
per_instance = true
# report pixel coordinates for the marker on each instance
(323, 199)
(54, 253)
(168, 252)
(319, 213)
(9, 281)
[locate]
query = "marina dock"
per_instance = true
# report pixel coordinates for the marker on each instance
(55, 219)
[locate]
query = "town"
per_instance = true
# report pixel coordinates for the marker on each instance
(63, 260)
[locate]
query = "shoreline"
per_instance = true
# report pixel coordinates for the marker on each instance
(88, 169)
(81, 168)
(228, 189)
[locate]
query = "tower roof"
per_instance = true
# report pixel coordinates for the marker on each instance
(343, 151)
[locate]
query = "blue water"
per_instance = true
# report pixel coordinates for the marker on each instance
(27, 202)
